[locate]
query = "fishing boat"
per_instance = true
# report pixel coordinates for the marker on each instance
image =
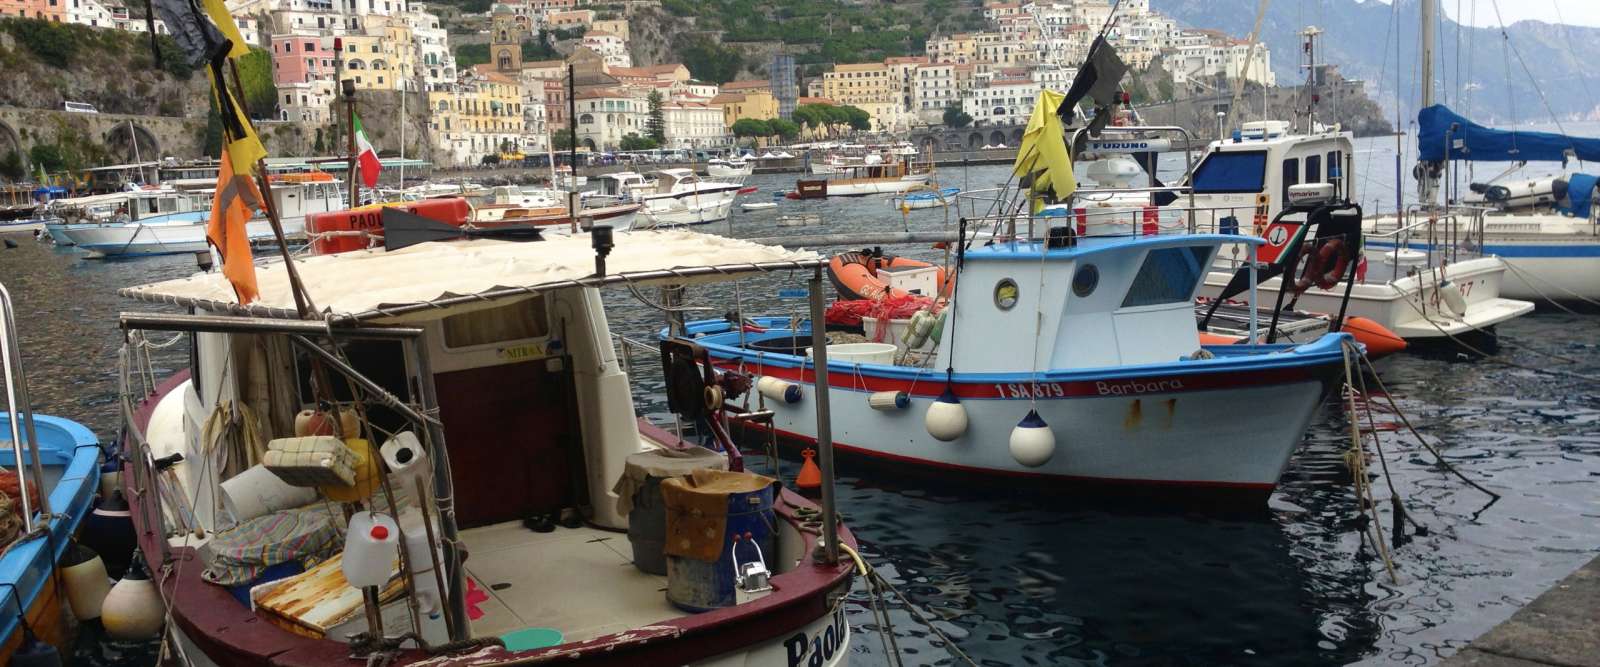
(932, 198)
(294, 197)
(68, 214)
(1117, 362)
(673, 197)
(486, 371)
(875, 175)
(1241, 183)
(737, 167)
(54, 466)
(1545, 229)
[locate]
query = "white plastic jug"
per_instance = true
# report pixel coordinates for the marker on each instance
(423, 580)
(370, 548)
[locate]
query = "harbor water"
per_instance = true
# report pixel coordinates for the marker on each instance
(1030, 580)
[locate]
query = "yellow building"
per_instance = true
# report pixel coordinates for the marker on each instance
(480, 115)
(757, 105)
(382, 59)
(875, 88)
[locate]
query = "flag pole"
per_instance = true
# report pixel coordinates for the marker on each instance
(302, 298)
(348, 88)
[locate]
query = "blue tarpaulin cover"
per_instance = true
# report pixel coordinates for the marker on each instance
(1471, 141)
(1580, 189)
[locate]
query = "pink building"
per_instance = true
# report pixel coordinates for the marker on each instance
(299, 59)
(54, 10)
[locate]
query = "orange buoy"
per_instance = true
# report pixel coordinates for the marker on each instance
(810, 477)
(1380, 341)
(1208, 338)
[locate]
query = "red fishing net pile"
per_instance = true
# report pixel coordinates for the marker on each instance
(849, 313)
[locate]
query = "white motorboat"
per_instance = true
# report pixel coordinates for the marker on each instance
(1241, 184)
(674, 197)
(62, 216)
(757, 206)
(730, 168)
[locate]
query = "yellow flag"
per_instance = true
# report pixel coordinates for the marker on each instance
(239, 139)
(218, 11)
(236, 200)
(1043, 155)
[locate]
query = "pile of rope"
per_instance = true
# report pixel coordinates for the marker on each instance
(10, 509)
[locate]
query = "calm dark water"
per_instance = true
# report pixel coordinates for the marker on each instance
(1027, 580)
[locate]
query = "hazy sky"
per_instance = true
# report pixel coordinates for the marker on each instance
(1576, 12)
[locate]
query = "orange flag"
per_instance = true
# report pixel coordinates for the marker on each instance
(236, 200)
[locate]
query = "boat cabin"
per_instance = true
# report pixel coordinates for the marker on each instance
(1096, 303)
(1248, 176)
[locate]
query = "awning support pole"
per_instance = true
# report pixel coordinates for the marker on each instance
(819, 355)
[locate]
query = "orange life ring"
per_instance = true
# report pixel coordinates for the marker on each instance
(1324, 268)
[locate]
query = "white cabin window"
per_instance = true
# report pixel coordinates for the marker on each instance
(1168, 275)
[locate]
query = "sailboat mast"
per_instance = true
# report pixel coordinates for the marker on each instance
(1428, 175)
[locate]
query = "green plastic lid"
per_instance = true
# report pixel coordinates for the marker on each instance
(528, 639)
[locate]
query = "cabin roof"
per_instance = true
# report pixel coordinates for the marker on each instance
(370, 284)
(1030, 250)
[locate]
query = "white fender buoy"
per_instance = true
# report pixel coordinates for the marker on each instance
(888, 400)
(1032, 441)
(133, 609)
(1451, 297)
(778, 390)
(87, 582)
(946, 418)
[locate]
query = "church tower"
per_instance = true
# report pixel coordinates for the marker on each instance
(505, 41)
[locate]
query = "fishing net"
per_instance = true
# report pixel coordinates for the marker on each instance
(887, 307)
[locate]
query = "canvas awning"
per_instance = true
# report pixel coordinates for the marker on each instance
(368, 284)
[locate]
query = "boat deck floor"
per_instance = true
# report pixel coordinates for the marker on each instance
(580, 581)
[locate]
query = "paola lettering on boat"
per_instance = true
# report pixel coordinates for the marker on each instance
(1031, 390)
(817, 649)
(1125, 387)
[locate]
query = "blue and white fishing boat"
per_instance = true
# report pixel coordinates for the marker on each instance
(57, 462)
(926, 199)
(1091, 334)
(1545, 228)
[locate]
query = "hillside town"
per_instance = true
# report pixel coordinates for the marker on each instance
(512, 105)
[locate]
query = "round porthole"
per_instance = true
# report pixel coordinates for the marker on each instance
(1005, 294)
(1085, 280)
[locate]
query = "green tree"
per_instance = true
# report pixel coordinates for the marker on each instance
(48, 157)
(11, 166)
(317, 146)
(211, 140)
(656, 124)
(708, 60)
(956, 118)
(750, 127)
(468, 55)
(858, 119)
(561, 140)
(783, 128)
(814, 116)
(255, 76)
(634, 142)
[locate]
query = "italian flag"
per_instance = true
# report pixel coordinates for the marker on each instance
(368, 157)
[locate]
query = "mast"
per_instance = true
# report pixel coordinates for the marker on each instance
(1428, 174)
(572, 148)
